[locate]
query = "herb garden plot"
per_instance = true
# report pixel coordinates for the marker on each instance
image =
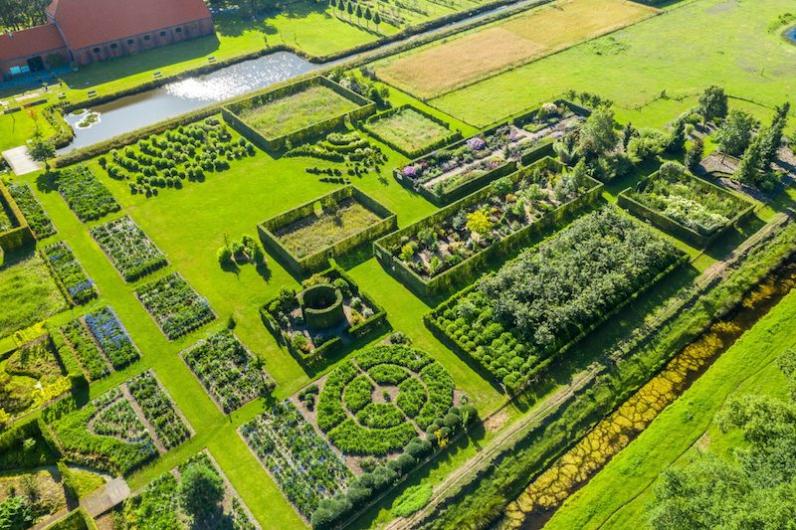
(454, 171)
(87, 353)
(306, 469)
(71, 277)
(165, 504)
(328, 313)
(34, 214)
(175, 306)
(159, 410)
(85, 195)
(133, 254)
(30, 376)
(410, 131)
(685, 205)
(228, 372)
(305, 237)
(453, 244)
(167, 160)
(514, 322)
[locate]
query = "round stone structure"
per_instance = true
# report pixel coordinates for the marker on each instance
(322, 306)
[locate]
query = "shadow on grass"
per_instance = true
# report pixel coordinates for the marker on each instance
(9, 259)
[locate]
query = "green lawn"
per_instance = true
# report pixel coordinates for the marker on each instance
(617, 497)
(297, 111)
(16, 128)
(28, 293)
(654, 69)
(409, 130)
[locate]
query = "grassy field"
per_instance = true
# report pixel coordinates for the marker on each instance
(18, 127)
(617, 497)
(654, 69)
(28, 293)
(297, 111)
(441, 67)
(409, 130)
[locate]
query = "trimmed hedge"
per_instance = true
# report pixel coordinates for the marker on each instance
(452, 137)
(469, 269)
(21, 234)
(320, 259)
(313, 132)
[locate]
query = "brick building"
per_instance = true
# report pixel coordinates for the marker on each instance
(84, 31)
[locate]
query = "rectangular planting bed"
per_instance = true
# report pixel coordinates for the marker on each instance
(304, 238)
(454, 171)
(686, 206)
(296, 113)
(410, 131)
(14, 229)
(450, 247)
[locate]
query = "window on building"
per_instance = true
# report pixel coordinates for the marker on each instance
(162, 33)
(178, 30)
(96, 50)
(147, 37)
(114, 46)
(130, 42)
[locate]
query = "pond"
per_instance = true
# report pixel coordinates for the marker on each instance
(134, 112)
(790, 34)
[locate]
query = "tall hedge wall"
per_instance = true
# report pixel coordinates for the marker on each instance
(21, 234)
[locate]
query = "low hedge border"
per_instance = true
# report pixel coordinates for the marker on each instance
(671, 226)
(317, 130)
(21, 234)
(468, 269)
(452, 137)
(320, 259)
(310, 360)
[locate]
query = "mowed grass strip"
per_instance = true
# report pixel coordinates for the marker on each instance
(297, 111)
(409, 130)
(439, 69)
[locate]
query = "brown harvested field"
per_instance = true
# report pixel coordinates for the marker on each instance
(438, 69)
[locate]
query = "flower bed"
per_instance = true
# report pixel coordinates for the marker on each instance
(35, 215)
(228, 371)
(304, 238)
(78, 288)
(112, 338)
(286, 319)
(175, 306)
(451, 246)
(133, 254)
(304, 467)
(685, 205)
(296, 113)
(159, 410)
(167, 160)
(514, 322)
(86, 351)
(410, 131)
(85, 195)
(452, 172)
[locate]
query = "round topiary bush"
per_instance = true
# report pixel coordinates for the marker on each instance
(322, 306)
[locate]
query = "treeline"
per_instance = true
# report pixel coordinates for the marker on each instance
(21, 14)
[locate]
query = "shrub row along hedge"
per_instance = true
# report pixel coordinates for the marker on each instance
(18, 233)
(450, 247)
(513, 322)
(688, 207)
(319, 259)
(315, 131)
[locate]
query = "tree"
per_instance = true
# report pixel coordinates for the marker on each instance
(376, 20)
(736, 132)
(350, 9)
(628, 133)
(713, 103)
(773, 138)
(40, 149)
(359, 12)
(368, 16)
(676, 142)
(693, 156)
(751, 166)
(16, 513)
(597, 136)
(201, 491)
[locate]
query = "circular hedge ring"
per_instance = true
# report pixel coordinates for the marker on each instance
(322, 306)
(378, 401)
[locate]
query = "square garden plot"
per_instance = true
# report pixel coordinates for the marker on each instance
(85, 195)
(32, 210)
(228, 371)
(329, 312)
(130, 250)
(304, 238)
(410, 131)
(454, 171)
(452, 246)
(296, 113)
(686, 206)
(176, 308)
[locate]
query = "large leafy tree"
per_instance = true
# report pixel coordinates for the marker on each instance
(713, 103)
(736, 132)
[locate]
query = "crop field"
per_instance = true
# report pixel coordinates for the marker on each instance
(297, 111)
(440, 68)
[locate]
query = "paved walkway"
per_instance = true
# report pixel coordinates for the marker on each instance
(114, 492)
(20, 161)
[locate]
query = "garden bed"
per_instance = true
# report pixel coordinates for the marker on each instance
(77, 287)
(513, 323)
(176, 308)
(32, 210)
(452, 172)
(130, 250)
(85, 194)
(351, 315)
(167, 160)
(410, 131)
(28, 294)
(15, 232)
(231, 374)
(686, 206)
(296, 113)
(306, 237)
(450, 247)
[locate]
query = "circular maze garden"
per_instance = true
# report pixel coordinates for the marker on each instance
(377, 402)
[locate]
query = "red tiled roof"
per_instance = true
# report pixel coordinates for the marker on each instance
(85, 23)
(30, 41)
